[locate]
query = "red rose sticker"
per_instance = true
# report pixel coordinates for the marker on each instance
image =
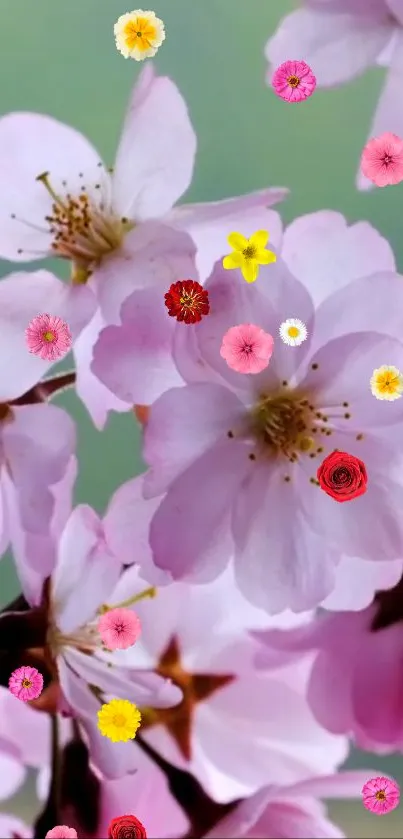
(342, 476)
(126, 827)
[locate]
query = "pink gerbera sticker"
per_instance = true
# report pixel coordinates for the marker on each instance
(293, 81)
(119, 629)
(247, 348)
(382, 160)
(26, 683)
(48, 336)
(380, 795)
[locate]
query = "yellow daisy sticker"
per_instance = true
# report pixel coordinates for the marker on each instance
(248, 254)
(387, 383)
(139, 34)
(119, 720)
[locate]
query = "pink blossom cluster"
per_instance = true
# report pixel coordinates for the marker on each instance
(256, 623)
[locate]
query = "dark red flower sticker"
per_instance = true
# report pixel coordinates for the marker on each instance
(126, 827)
(187, 301)
(342, 476)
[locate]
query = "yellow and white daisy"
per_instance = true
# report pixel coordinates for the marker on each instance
(387, 383)
(293, 332)
(119, 720)
(139, 34)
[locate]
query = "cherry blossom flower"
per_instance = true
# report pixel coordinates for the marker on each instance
(48, 337)
(293, 81)
(223, 691)
(352, 687)
(119, 628)
(37, 440)
(244, 470)
(340, 39)
(291, 811)
(247, 348)
(118, 230)
(26, 683)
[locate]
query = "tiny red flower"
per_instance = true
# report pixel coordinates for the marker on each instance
(126, 827)
(187, 301)
(342, 476)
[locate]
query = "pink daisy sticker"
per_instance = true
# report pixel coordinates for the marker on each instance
(119, 629)
(61, 831)
(26, 683)
(382, 160)
(247, 348)
(293, 81)
(48, 337)
(380, 795)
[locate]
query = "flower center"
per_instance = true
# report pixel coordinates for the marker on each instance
(293, 81)
(293, 331)
(139, 33)
(26, 683)
(247, 348)
(249, 252)
(387, 159)
(119, 720)
(49, 336)
(84, 230)
(189, 299)
(281, 423)
(380, 795)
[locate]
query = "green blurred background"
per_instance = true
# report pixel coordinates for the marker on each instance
(60, 58)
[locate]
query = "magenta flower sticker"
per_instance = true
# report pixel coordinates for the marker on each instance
(382, 160)
(48, 337)
(247, 348)
(61, 831)
(380, 795)
(26, 683)
(119, 629)
(294, 81)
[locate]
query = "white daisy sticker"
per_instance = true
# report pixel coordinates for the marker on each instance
(293, 332)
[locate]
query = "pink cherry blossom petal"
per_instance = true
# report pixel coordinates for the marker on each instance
(247, 348)
(119, 629)
(26, 683)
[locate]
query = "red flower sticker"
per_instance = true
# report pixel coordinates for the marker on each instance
(126, 827)
(342, 476)
(187, 301)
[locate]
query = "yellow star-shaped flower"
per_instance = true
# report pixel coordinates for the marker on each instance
(248, 254)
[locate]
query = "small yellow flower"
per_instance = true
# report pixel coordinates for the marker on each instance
(387, 383)
(248, 254)
(119, 720)
(139, 34)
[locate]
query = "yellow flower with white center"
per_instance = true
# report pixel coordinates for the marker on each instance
(119, 720)
(387, 383)
(248, 254)
(293, 332)
(139, 34)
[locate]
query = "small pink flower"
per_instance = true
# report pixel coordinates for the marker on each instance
(247, 348)
(294, 81)
(382, 160)
(380, 795)
(119, 629)
(26, 683)
(48, 336)
(61, 831)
